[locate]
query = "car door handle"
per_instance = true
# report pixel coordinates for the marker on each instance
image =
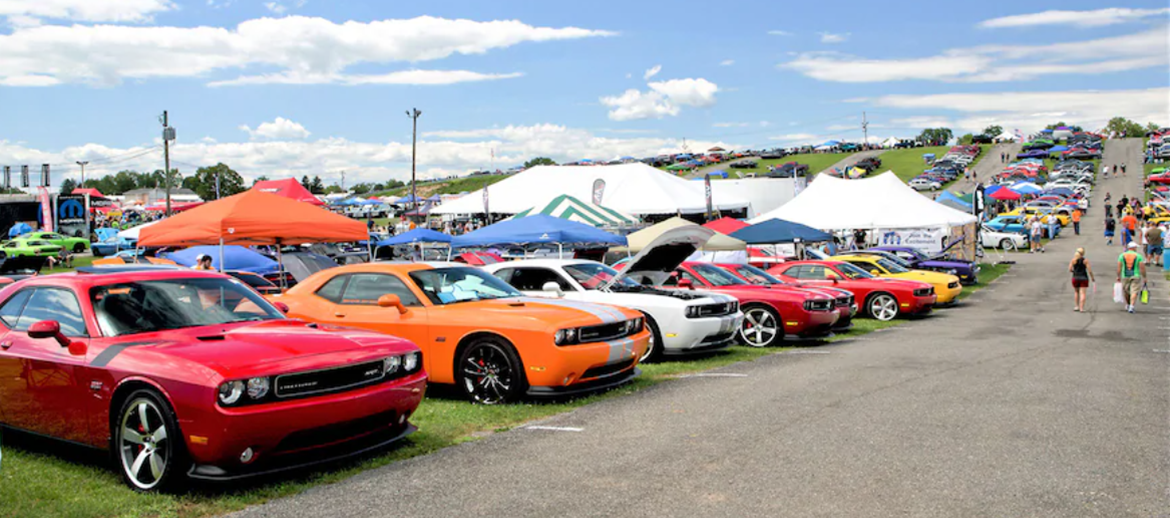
(5, 344)
(339, 315)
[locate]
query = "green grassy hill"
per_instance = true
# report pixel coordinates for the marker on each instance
(452, 186)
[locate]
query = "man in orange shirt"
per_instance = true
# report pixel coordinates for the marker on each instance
(1128, 225)
(1076, 219)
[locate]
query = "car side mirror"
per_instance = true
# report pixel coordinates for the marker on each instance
(282, 307)
(48, 329)
(874, 272)
(553, 287)
(391, 300)
(686, 283)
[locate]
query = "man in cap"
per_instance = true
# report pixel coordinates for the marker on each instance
(1131, 273)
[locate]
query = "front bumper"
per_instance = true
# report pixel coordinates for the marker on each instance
(809, 324)
(585, 364)
(297, 433)
(595, 385)
(698, 335)
(917, 305)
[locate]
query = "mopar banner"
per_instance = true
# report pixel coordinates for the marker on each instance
(486, 211)
(71, 216)
(928, 240)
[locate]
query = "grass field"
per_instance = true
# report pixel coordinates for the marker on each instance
(908, 163)
(816, 163)
(43, 479)
(453, 186)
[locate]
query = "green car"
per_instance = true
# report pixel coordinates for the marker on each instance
(29, 248)
(73, 244)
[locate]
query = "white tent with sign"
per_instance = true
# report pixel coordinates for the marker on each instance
(636, 189)
(880, 202)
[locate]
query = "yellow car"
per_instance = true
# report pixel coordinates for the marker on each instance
(946, 286)
(1044, 215)
(1158, 215)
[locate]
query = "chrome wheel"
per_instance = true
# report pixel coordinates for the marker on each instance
(651, 345)
(489, 374)
(883, 307)
(144, 444)
(760, 327)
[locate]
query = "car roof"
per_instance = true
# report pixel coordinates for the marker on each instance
(542, 262)
(85, 278)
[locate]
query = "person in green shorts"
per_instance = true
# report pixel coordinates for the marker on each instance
(1131, 273)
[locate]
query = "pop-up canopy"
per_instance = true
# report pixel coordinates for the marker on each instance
(418, 235)
(289, 188)
(775, 231)
(538, 229)
(717, 243)
(881, 202)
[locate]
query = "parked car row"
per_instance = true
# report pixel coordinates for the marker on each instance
(946, 169)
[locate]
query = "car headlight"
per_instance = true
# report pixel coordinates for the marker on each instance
(230, 392)
(410, 362)
(257, 388)
(952, 271)
(565, 336)
(692, 311)
(391, 364)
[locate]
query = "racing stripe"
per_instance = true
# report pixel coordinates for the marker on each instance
(112, 351)
(619, 349)
(603, 313)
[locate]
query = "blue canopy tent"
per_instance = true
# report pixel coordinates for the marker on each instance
(775, 231)
(234, 258)
(19, 229)
(537, 229)
(350, 201)
(409, 198)
(1061, 191)
(719, 173)
(991, 189)
(418, 235)
(949, 199)
(435, 198)
(1026, 188)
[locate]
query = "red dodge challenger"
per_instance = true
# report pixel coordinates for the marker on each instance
(844, 303)
(192, 374)
(880, 298)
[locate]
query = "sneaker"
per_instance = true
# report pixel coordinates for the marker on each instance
(1130, 309)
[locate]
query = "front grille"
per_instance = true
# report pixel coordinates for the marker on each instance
(334, 433)
(607, 370)
(602, 333)
(924, 292)
(818, 305)
(328, 380)
(953, 285)
(718, 310)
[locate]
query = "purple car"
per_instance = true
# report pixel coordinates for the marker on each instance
(967, 271)
(1033, 153)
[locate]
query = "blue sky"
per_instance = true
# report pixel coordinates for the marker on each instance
(86, 79)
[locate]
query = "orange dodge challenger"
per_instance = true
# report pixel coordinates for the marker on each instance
(478, 332)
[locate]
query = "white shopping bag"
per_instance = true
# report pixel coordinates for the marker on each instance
(1117, 296)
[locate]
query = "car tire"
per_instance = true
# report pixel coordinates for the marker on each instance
(881, 306)
(654, 349)
(1006, 244)
(761, 326)
(156, 447)
(78, 248)
(489, 372)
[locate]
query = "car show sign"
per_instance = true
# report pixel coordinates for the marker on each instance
(928, 240)
(71, 215)
(46, 210)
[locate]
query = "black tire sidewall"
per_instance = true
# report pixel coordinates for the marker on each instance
(78, 248)
(519, 388)
(177, 451)
(656, 335)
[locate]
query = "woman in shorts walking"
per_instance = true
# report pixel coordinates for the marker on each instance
(1082, 275)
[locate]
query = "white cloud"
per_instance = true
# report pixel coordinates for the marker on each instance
(780, 33)
(294, 46)
(828, 37)
(996, 62)
(275, 7)
(793, 137)
(1031, 111)
(731, 124)
(727, 62)
(279, 129)
(440, 153)
(133, 11)
(651, 72)
(1095, 18)
(663, 99)
(404, 77)
(280, 7)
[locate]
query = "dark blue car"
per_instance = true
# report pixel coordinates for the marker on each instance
(967, 271)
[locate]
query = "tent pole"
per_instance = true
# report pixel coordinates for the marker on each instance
(280, 265)
(221, 255)
(560, 251)
(370, 246)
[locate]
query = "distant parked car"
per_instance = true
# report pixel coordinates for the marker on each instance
(744, 164)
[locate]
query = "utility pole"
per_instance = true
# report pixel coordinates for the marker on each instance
(413, 113)
(343, 181)
(217, 183)
(169, 135)
(82, 163)
(864, 129)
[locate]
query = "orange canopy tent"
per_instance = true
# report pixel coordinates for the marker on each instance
(289, 188)
(253, 218)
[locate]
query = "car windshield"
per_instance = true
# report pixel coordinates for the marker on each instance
(755, 275)
(460, 284)
(853, 272)
(717, 276)
(892, 258)
(891, 266)
(593, 276)
(146, 306)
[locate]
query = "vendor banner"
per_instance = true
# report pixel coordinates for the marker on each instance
(46, 210)
(928, 240)
(72, 218)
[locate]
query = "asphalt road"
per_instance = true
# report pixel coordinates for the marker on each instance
(1010, 405)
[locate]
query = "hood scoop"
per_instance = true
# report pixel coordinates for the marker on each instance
(210, 338)
(516, 304)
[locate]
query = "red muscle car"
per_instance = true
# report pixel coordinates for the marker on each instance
(844, 302)
(880, 298)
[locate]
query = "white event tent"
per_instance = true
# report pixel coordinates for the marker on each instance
(635, 189)
(880, 202)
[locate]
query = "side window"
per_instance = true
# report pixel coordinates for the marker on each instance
(365, 289)
(863, 265)
(53, 304)
(534, 279)
(812, 272)
(10, 311)
(505, 274)
(793, 271)
(331, 291)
